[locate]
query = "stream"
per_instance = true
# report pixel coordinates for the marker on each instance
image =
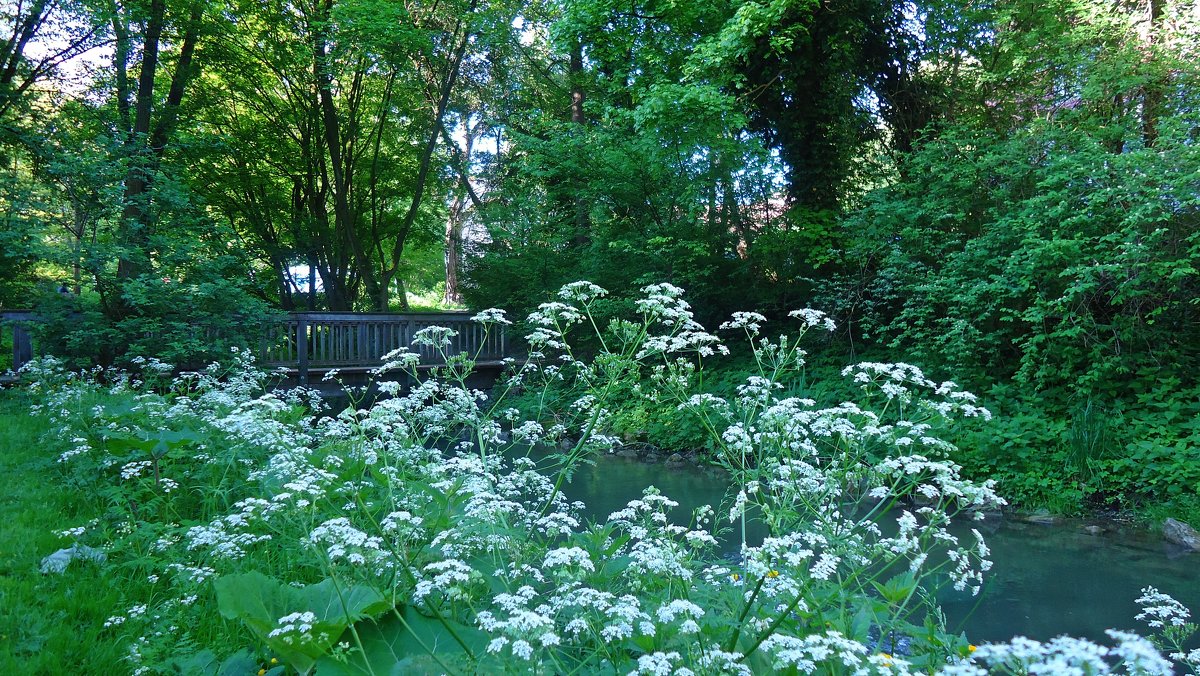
(1048, 580)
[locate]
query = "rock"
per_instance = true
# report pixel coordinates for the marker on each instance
(1042, 517)
(675, 460)
(58, 561)
(1181, 534)
(627, 453)
(633, 436)
(1092, 529)
(922, 500)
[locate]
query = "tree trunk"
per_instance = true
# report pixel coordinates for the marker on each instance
(121, 66)
(459, 209)
(454, 228)
(13, 50)
(134, 258)
(454, 68)
(1153, 91)
(148, 144)
(341, 168)
(583, 225)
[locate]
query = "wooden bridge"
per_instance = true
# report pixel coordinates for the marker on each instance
(14, 333)
(313, 343)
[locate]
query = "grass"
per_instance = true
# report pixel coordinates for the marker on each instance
(49, 624)
(1184, 508)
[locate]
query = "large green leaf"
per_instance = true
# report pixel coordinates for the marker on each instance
(206, 663)
(260, 601)
(406, 642)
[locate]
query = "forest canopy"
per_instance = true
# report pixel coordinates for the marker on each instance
(1000, 189)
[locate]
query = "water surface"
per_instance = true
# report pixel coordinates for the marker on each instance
(1047, 580)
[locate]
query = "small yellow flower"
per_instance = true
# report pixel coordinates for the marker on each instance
(773, 573)
(735, 577)
(261, 672)
(887, 659)
(971, 648)
(274, 661)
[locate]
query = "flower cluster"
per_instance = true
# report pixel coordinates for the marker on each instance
(439, 517)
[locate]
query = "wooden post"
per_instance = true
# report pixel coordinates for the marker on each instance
(22, 346)
(302, 348)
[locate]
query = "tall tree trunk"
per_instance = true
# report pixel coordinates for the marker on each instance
(120, 26)
(184, 71)
(148, 143)
(24, 29)
(1153, 91)
(575, 73)
(459, 208)
(312, 282)
(583, 225)
(454, 230)
(133, 258)
(12, 52)
(336, 293)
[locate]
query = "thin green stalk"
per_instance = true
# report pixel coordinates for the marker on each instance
(737, 631)
(774, 625)
(350, 623)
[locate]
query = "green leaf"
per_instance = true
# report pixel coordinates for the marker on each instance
(259, 602)
(405, 642)
(897, 589)
(206, 663)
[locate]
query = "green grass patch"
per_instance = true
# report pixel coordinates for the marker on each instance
(49, 624)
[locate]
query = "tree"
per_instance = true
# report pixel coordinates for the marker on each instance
(36, 40)
(147, 119)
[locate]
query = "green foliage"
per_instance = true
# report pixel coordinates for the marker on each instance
(188, 324)
(1042, 245)
(1025, 451)
(1004, 191)
(322, 612)
(1136, 452)
(48, 623)
(415, 534)
(408, 642)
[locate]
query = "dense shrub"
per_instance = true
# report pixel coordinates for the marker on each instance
(184, 323)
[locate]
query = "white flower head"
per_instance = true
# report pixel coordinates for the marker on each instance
(491, 316)
(581, 292)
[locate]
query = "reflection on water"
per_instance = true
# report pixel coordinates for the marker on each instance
(1051, 580)
(1047, 580)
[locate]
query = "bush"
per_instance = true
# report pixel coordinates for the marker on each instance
(185, 324)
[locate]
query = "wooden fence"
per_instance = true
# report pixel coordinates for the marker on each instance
(319, 341)
(14, 333)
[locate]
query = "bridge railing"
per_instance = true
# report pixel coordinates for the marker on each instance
(307, 341)
(15, 338)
